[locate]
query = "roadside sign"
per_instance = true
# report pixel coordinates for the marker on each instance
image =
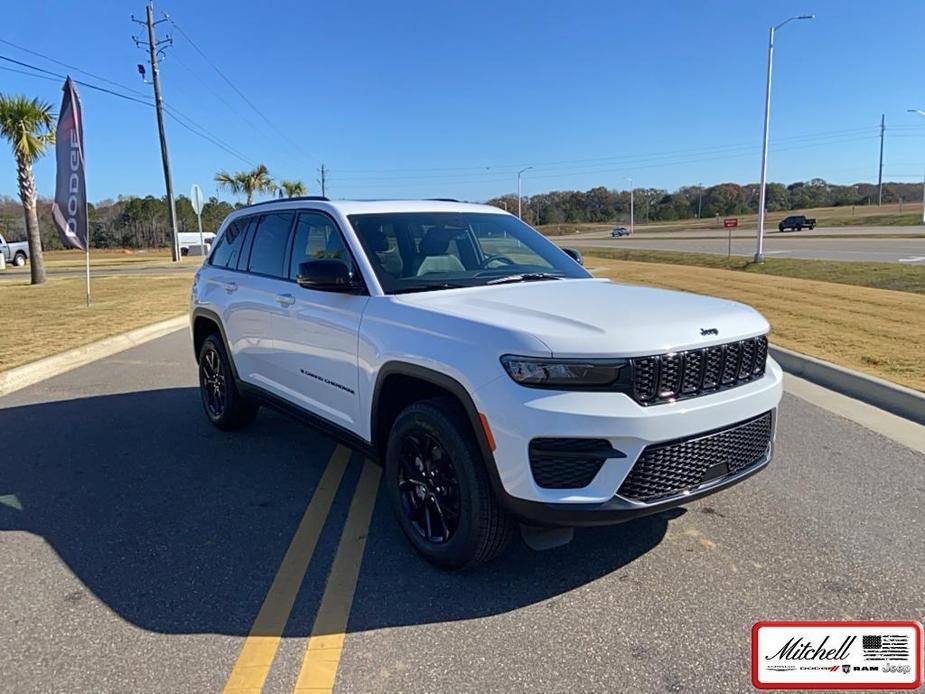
(730, 222)
(195, 197)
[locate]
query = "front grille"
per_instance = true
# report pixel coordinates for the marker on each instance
(668, 377)
(566, 463)
(666, 469)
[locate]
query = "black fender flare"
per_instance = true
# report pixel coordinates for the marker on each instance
(212, 316)
(457, 390)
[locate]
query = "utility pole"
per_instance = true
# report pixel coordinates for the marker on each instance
(700, 201)
(880, 174)
(323, 181)
(154, 50)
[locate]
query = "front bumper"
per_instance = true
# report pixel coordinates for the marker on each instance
(518, 415)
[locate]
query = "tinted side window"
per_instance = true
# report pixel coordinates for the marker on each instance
(268, 252)
(249, 224)
(229, 246)
(317, 237)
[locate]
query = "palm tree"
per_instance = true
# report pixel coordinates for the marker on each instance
(292, 189)
(28, 125)
(247, 182)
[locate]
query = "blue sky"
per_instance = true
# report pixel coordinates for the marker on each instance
(423, 99)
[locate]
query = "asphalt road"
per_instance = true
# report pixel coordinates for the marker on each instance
(23, 273)
(832, 243)
(139, 544)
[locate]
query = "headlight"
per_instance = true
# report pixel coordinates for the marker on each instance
(563, 373)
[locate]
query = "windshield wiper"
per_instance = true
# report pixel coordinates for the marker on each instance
(426, 287)
(525, 277)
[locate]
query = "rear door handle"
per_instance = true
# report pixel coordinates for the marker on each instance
(231, 287)
(285, 299)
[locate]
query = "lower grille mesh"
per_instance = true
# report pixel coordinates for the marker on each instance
(667, 469)
(568, 463)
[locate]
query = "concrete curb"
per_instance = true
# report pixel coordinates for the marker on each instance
(28, 374)
(878, 392)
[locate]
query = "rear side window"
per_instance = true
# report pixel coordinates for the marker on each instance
(268, 252)
(229, 246)
(316, 238)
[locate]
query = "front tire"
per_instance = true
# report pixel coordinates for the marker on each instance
(439, 487)
(223, 403)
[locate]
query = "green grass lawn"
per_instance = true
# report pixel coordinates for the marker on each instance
(895, 276)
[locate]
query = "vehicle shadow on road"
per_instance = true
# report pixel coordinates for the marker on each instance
(179, 528)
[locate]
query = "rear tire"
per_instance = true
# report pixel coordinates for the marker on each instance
(439, 488)
(19, 259)
(222, 402)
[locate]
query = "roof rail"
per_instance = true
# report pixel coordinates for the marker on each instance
(316, 198)
(443, 199)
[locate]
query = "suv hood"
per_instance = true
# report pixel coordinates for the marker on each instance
(597, 317)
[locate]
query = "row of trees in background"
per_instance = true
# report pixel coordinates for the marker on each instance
(131, 222)
(124, 223)
(654, 204)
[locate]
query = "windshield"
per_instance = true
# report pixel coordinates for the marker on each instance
(422, 251)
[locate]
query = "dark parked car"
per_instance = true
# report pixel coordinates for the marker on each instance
(798, 222)
(617, 232)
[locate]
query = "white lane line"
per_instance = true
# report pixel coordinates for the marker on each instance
(916, 259)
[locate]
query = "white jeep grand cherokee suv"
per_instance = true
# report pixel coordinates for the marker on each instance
(496, 380)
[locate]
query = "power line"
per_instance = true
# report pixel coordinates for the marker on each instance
(637, 162)
(483, 167)
(190, 125)
(84, 84)
(72, 67)
(176, 117)
(215, 93)
(241, 94)
(576, 172)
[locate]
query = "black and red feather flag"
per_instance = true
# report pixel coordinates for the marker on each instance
(70, 206)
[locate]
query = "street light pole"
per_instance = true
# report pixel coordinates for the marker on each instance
(632, 207)
(759, 252)
(921, 113)
(519, 173)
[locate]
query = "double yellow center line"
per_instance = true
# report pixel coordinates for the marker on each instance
(322, 655)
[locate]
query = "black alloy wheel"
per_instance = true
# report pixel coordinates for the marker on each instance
(224, 405)
(429, 487)
(439, 488)
(212, 382)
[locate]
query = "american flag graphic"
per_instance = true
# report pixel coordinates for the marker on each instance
(885, 647)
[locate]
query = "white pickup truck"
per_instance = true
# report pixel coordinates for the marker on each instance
(14, 253)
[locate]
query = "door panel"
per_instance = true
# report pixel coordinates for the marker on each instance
(317, 351)
(257, 308)
(317, 333)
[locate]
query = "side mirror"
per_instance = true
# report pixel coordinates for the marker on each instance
(326, 275)
(575, 255)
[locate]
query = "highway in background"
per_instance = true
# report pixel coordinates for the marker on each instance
(880, 244)
(139, 544)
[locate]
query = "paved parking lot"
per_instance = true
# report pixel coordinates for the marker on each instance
(140, 545)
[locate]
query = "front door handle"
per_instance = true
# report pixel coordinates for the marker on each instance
(285, 299)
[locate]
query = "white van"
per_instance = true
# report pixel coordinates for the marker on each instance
(189, 242)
